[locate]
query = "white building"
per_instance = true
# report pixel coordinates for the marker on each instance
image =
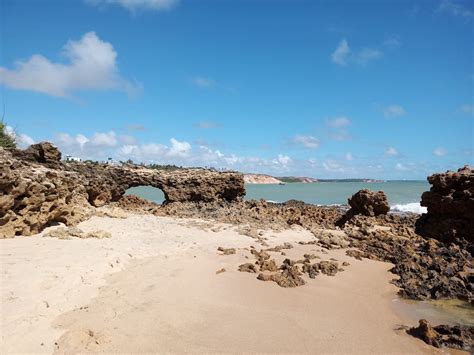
(71, 158)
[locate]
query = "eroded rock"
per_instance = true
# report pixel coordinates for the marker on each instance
(38, 190)
(450, 204)
(458, 337)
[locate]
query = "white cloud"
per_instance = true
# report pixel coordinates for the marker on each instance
(368, 54)
(203, 82)
(391, 152)
(400, 167)
(333, 166)
(92, 66)
(349, 156)
(135, 5)
(456, 9)
(392, 42)
(440, 152)
(338, 128)
(338, 122)
(341, 53)
(127, 139)
(108, 139)
(81, 140)
(22, 140)
(309, 142)
(394, 111)
(179, 149)
(468, 109)
(283, 159)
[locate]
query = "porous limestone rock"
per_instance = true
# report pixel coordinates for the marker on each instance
(38, 190)
(450, 203)
(367, 203)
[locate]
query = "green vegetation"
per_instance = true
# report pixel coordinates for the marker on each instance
(289, 179)
(6, 141)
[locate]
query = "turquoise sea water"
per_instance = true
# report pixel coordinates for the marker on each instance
(402, 195)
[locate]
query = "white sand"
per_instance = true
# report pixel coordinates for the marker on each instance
(153, 287)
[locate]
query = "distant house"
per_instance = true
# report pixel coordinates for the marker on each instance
(71, 158)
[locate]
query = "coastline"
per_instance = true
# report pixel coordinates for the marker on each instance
(155, 282)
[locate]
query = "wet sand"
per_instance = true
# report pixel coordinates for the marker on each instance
(153, 287)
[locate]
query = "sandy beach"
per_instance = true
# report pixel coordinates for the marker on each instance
(154, 287)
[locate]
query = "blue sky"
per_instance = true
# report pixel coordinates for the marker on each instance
(379, 89)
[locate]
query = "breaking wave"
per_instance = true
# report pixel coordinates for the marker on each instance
(413, 207)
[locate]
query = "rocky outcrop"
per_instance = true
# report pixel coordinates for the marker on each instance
(367, 203)
(458, 337)
(450, 203)
(37, 189)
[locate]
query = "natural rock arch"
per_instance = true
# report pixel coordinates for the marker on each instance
(36, 188)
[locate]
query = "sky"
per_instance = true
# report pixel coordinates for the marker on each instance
(328, 89)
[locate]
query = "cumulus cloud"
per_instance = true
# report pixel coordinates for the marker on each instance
(439, 152)
(468, 109)
(283, 159)
(309, 142)
(341, 54)
(136, 5)
(22, 140)
(391, 152)
(333, 166)
(108, 139)
(392, 111)
(179, 149)
(338, 122)
(338, 128)
(401, 167)
(92, 65)
(368, 54)
(456, 9)
(392, 42)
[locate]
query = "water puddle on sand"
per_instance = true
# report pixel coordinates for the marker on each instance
(451, 312)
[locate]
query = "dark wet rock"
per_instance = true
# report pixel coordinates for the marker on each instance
(427, 269)
(450, 204)
(458, 337)
(248, 267)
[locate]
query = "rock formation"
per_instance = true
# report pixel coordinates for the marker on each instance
(450, 204)
(37, 189)
(458, 337)
(366, 203)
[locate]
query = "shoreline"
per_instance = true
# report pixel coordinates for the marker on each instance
(180, 256)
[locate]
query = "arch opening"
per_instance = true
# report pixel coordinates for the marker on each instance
(149, 193)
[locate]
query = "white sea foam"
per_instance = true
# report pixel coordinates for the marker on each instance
(414, 207)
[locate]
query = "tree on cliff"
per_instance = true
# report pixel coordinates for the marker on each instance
(6, 140)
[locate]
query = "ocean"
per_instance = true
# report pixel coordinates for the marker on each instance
(403, 196)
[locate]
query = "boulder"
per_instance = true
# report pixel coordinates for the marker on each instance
(458, 336)
(367, 203)
(450, 204)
